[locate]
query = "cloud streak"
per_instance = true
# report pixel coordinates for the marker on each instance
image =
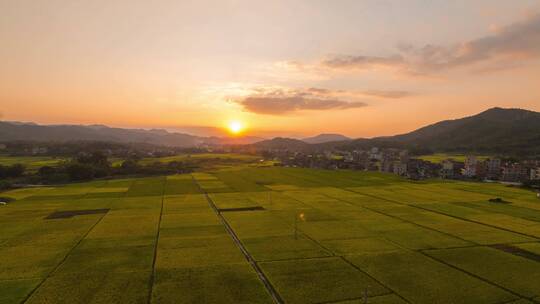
(371, 93)
(283, 105)
(278, 101)
(362, 62)
(388, 94)
(517, 41)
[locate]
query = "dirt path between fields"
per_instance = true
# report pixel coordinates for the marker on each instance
(266, 282)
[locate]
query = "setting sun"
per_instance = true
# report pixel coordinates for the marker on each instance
(235, 127)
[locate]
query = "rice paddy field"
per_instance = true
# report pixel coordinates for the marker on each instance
(32, 163)
(440, 157)
(270, 235)
(210, 161)
(204, 161)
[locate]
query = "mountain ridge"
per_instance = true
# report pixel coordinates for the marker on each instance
(325, 137)
(495, 130)
(15, 131)
(509, 131)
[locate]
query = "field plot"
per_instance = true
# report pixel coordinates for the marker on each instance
(320, 280)
(32, 163)
(422, 280)
(267, 235)
(509, 270)
(439, 157)
(207, 161)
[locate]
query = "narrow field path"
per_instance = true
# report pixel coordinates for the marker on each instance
(153, 274)
(266, 282)
(448, 215)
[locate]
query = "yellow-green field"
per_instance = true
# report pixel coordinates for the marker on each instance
(203, 156)
(209, 161)
(32, 163)
(201, 161)
(358, 234)
(439, 157)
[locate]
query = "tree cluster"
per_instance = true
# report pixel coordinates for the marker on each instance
(87, 166)
(12, 171)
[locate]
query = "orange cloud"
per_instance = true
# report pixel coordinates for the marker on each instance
(281, 105)
(274, 101)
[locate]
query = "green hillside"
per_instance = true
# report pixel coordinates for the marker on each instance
(497, 130)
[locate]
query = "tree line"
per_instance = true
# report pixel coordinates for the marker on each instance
(85, 167)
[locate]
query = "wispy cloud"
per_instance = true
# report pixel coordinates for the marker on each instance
(362, 61)
(276, 101)
(282, 105)
(388, 94)
(517, 41)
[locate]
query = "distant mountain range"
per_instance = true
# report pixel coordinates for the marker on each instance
(496, 131)
(325, 137)
(13, 131)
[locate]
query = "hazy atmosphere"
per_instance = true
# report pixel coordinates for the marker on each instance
(364, 68)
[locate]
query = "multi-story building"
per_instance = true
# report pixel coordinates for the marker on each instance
(400, 168)
(376, 154)
(514, 172)
(447, 169)
(404, 156)
(469, 170)
(387, 165)
(535, 174)
(474, 168)
(419, 169)
(361, 159)
(493, 166)
(450, 169)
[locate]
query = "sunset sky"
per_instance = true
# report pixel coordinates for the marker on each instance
(295, 68)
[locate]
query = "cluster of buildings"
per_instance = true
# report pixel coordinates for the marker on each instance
(401, 163)
(494, 169)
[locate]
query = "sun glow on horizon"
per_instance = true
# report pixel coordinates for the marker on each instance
(235, 127)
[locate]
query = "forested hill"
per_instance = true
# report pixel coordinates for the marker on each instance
(495, 131)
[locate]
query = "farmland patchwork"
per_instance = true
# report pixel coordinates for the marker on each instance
(266, 235)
